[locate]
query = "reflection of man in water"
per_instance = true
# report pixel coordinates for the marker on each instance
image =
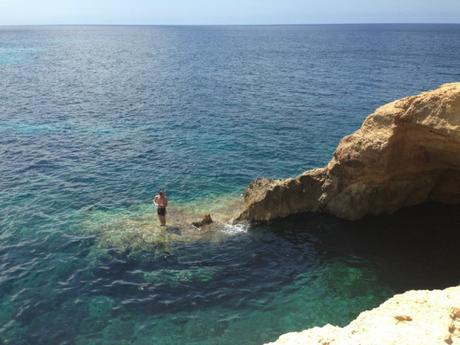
(160, 201)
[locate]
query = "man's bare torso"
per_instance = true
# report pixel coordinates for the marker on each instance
(161, 201)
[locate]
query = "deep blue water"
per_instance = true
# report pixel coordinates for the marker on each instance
(94, 120)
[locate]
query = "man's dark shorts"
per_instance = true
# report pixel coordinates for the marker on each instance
(161, 211)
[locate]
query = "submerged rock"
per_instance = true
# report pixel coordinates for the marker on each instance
(412, 318)
(406, 153)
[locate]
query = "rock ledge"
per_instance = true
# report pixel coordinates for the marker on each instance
(413, 318)
(406, 153)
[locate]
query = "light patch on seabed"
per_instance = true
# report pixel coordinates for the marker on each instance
(139, 229)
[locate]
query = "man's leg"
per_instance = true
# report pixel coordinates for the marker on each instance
(163, 220)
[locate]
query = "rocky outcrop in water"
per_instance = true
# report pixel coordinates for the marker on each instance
(412, 318)
(406, 153)
(206, 220)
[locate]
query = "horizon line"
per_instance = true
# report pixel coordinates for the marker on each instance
(268, 24)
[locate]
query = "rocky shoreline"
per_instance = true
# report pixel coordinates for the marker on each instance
(412, 318)
(406, 153)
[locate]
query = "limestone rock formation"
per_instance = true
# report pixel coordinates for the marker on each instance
(413, 318)
(406, 153)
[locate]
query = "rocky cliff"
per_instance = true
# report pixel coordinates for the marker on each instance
(412, 318)
(406, 153)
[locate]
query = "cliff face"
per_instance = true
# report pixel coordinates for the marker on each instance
(413, 318)
(407, 152)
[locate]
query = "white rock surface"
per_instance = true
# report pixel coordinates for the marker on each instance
(413, 318)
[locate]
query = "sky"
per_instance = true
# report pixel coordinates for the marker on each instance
(210, 12)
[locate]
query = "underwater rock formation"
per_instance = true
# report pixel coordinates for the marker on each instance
(406, 153)
(413, 318)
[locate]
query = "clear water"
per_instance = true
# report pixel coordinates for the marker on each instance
(94, 120)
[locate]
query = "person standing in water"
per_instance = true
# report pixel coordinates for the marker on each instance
(160, 201)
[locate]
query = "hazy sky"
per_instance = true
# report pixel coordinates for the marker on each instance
(227, 11)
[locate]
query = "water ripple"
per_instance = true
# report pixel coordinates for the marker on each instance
(94, 120)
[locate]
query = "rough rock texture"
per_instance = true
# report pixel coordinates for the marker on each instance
(413, 318)
(406, 153)
(205, 221)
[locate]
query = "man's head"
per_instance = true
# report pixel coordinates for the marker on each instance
(161, 193)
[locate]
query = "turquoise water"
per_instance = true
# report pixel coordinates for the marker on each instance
(94, 120)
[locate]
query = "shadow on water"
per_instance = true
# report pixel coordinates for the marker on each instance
(415, 248)
(174, 230)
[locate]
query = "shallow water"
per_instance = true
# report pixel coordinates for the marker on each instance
(94, 120)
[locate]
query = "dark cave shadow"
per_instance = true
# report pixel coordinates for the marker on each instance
(414, 248)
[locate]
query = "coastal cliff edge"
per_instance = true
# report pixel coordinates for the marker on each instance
(413, 318)
(406, 153)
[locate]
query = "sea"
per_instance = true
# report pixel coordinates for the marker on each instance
(95, 120)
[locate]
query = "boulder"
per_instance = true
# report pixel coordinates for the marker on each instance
(406, 153)
(205, 221)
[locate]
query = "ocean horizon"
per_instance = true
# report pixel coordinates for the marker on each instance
(250, 25)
